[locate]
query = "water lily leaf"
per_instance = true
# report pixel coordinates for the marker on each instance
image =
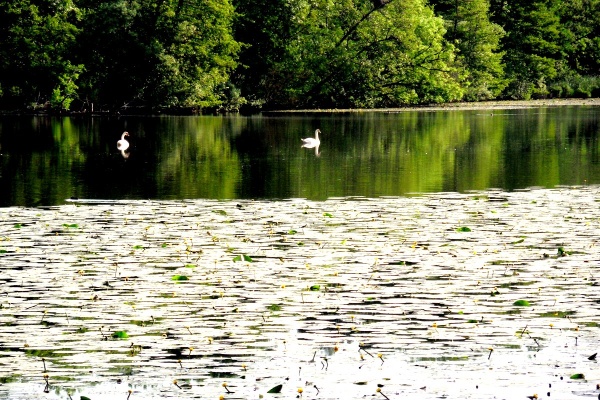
(85, 398)
(120, 335)
(190, 265)
(521, 303)
(577, 376)
(71, 225)
(17, 226)
(220, 212)
(292, 232)
(328, 215)
(243, 257)
(274, 307)
(315, 287)
(180, 278)
(463, 229)
(276, 389)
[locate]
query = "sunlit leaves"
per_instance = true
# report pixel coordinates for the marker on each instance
(120, 335)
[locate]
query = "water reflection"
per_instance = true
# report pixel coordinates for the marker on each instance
(46, 160)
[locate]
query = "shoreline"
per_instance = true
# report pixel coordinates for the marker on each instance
(464, 106)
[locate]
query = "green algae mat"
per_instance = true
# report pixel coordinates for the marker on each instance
(465, 296)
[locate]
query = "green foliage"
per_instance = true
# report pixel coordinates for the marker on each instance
(532, 44)
(35, 51)
(521, 303)
(120, 335)
(577, 376)
(463, 229)
(227, 55)
(477, 42)
(180, 278)
(347, 54)
(243, 257)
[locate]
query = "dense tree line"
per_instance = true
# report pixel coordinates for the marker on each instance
(227, 54)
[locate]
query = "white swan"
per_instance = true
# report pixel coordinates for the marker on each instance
(123, 144)
(309, 143)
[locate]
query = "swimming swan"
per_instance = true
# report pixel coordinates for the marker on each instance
(309, 143)
(123, 144)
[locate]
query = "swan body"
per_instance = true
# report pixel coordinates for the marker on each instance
(123, 144)
(309, 143)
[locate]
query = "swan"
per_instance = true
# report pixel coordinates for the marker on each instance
(309, 143)
(123, 144)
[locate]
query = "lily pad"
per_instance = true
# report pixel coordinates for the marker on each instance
(463, 229)
(577, 376)
(180, 278)
(276, 389)
(521, 303)
(120, 335)
(243, 257)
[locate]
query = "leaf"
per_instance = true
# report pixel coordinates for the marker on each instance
(463, 229)
(220, 212)
(314, 288)
(84, 398)
(190, 265)
(577, 376)
(17, 226)
(274, 307)
(521, 303)
(276, 389)
(70, 225)
(328, 215)
(120, 335)
(292, 232)
(243, 257)
(180, 278)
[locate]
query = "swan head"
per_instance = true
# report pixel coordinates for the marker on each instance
(124, 135)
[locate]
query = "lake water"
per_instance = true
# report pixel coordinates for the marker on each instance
(46, 160)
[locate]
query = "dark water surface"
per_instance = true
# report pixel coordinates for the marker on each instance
(46, 160)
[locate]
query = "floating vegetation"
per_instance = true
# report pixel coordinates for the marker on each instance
(173, 299)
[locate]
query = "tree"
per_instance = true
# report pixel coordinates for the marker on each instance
(531, 46)
(477, 41)
(36, 42)
(350, 53)
(158, 53)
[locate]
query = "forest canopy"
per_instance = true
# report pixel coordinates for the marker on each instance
(174, 55)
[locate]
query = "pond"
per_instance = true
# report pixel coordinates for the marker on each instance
(44, 160)
(414, 255)
(488, 295)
